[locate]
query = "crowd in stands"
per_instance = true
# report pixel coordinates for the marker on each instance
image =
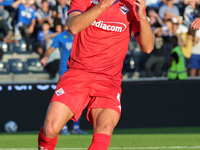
(168, 18)
(36, 21)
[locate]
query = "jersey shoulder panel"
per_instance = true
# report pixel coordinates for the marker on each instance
(79, 5)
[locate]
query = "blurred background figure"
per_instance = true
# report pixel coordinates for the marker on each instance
(153, 4)
(170, 7)
(44, 13)
(52, 3)
(191, 12)
(186, 40)
(53, 62)
(60, 11)
(176, 62)
(154, 19)
(195, 57)
(41, 43)
(157, 56)
(26, 20)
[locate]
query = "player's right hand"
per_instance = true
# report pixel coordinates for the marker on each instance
(44, 60)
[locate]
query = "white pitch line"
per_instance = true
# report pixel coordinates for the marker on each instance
(115, 148)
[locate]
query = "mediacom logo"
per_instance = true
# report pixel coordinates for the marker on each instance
(110, 26)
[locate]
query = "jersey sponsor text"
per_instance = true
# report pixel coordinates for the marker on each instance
(110, 26)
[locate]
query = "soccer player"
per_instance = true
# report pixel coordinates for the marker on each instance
(64, 41)
(195, 25)
(102, 31)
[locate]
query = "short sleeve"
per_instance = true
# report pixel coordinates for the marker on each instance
(33, 15)
(78, 5)
(20, 6)
(135, 24)
(56, 42)
(38, 35)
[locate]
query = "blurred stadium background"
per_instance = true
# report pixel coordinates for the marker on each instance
(147, 102)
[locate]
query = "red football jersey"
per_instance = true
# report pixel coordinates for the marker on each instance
(102, 47)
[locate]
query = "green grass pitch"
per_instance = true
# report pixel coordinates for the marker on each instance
(180, 138)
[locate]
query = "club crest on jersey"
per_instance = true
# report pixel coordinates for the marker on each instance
(60, 92)
(95, 2)
(68, 45)
(124, 9)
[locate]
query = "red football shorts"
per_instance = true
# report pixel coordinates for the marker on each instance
(78, 89)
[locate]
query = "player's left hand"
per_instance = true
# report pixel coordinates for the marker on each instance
(195, 25)
(44, 60)
(141, 6)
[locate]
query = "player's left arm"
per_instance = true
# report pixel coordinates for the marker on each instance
(146, 36)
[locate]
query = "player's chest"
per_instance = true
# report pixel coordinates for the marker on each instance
(116, 18)
(67, 42)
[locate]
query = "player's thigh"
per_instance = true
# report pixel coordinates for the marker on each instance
(104, 120)
(57, 116)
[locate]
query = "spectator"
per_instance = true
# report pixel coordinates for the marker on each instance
(190, 12)
(53, 62)
(26, 20)
(7, 5)
(52, 3)
(41, 44)
(186, 43)
(195, 57)
(169, 20)
(5, 30)
(4, 14)
(49, 37)
(168, 6)
(60, 12)
(157, 56)
(176, 62)
(44, 14)
(155, 20)
(153, 4)
(167, 27)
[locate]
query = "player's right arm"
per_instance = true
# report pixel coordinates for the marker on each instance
(46, 55)
(78, 21)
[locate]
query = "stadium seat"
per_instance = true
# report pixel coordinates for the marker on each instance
(20, 47)
(4, 68)
(17, 66)
(7, 48)
(129, 63)
(35, 66)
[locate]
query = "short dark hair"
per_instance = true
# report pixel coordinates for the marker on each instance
(46, 22)
(45, 1)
